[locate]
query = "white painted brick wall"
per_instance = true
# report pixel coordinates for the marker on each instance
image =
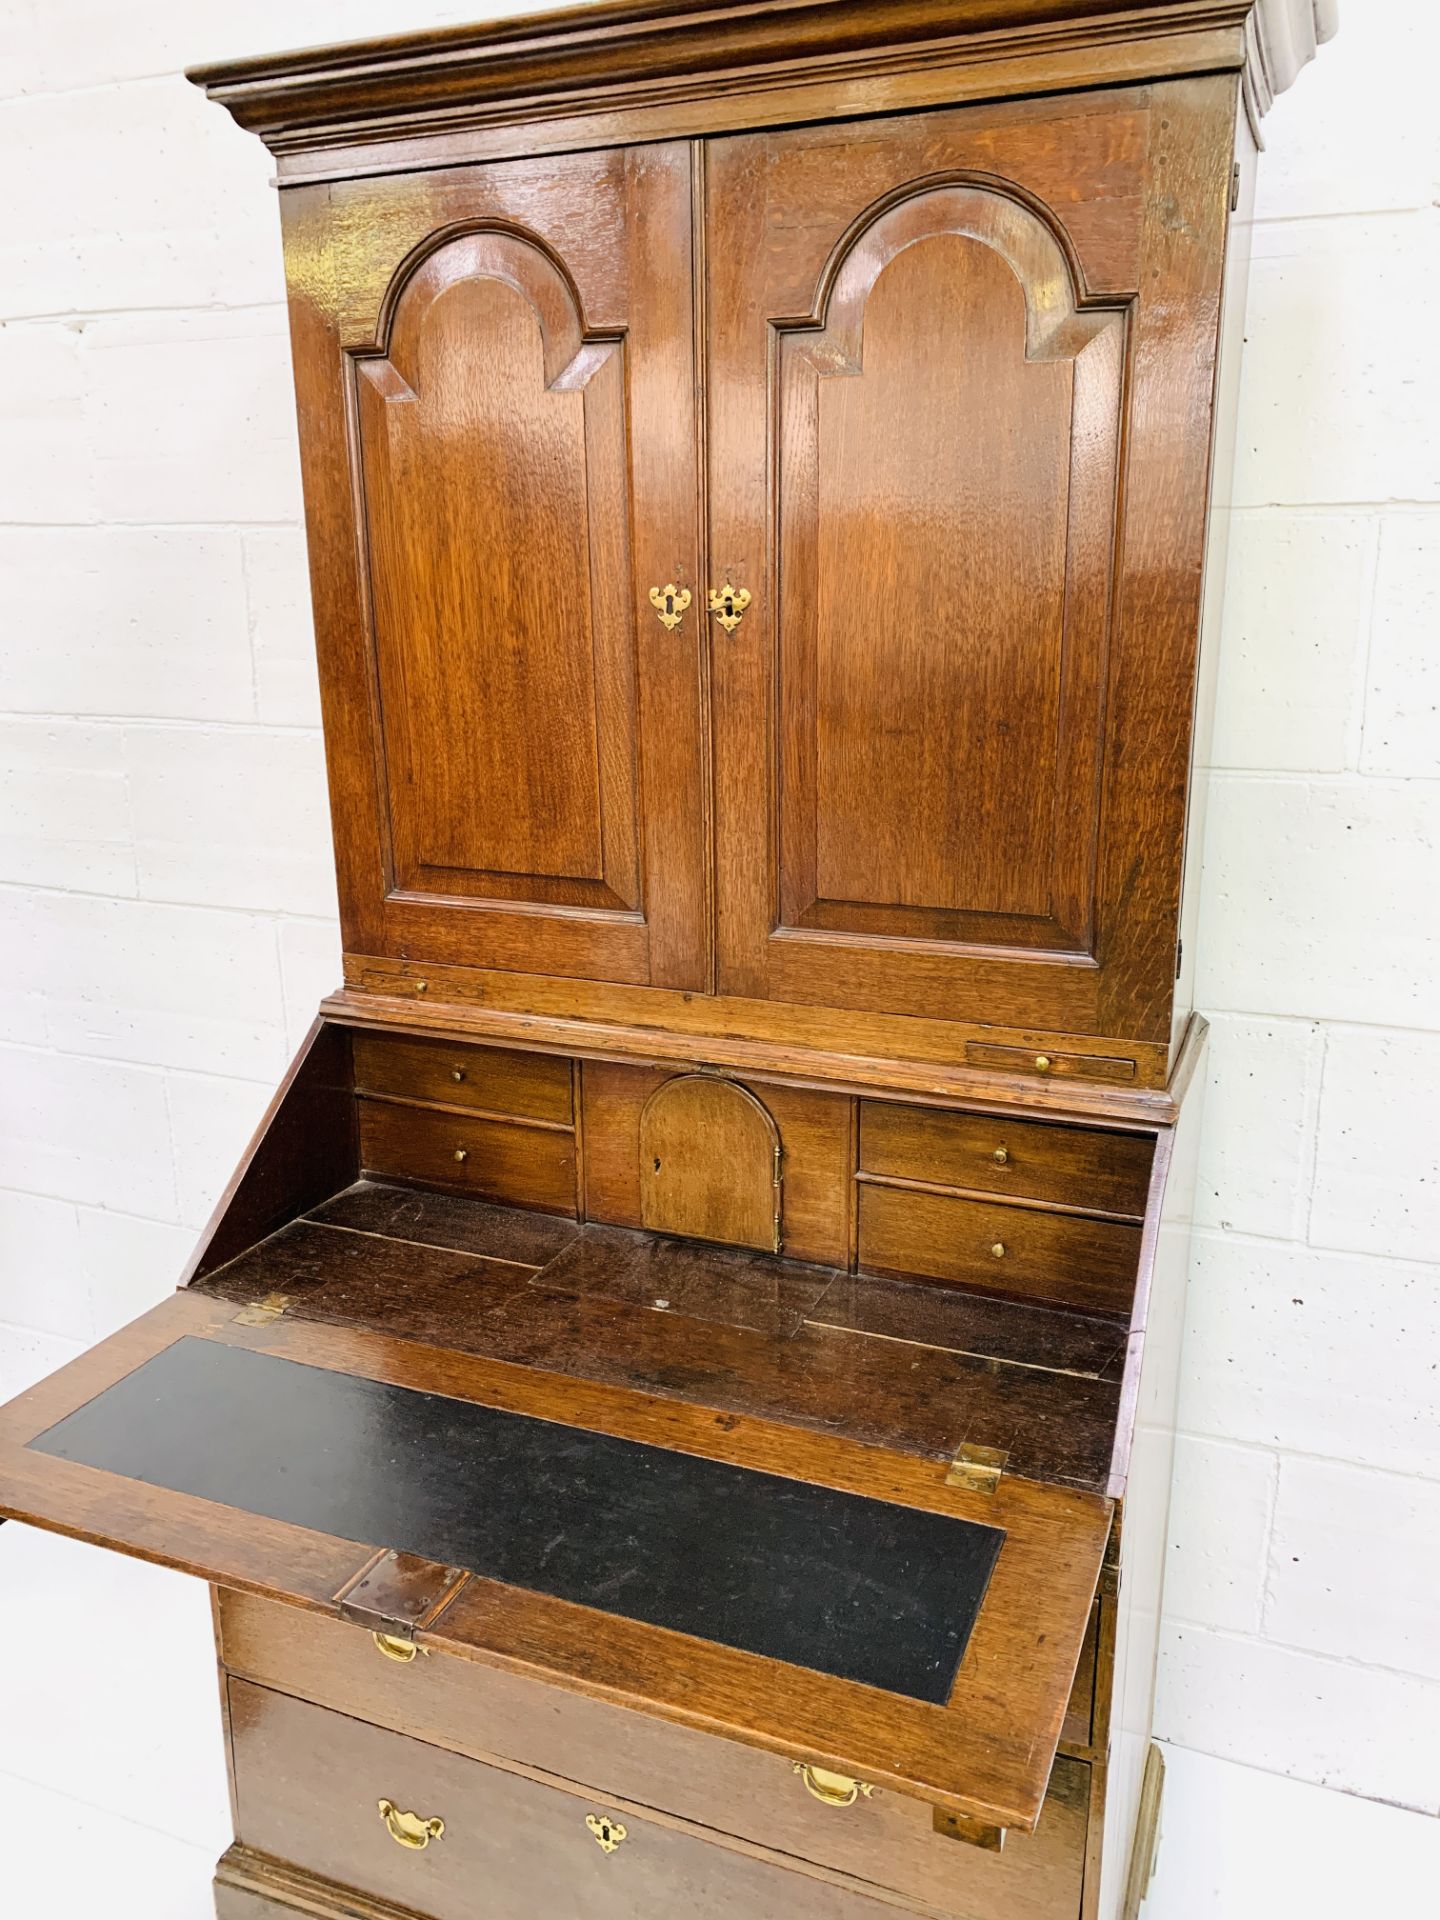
(166, 925)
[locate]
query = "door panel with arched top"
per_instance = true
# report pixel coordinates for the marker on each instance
(511, 348)
(932, 355)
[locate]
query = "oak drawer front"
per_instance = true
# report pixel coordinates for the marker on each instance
(1071, 1166)
(1040, 1256)
(531, 1086)
(485, 1712)
(451, 1837)
(503, 1160)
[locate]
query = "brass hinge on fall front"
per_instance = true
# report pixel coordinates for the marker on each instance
(977, 1469)
(1235, 186)
(261, 1312)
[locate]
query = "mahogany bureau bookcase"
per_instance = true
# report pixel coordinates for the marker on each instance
(675, 1405)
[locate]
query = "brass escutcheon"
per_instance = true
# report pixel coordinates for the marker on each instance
(608, 1833)
(728, 605)
(410, 1829)
(670, 603)
(831, 1789)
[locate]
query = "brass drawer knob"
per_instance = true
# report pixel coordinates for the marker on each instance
(394, 1648)
(998, 1250)
(831, 1789)
(410, 1829)
(1042, 1063)
(457, 1074)
(462, 1153)
(607, 1833)
(1001, 1156)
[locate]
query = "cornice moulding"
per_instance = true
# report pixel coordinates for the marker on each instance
(623, 51)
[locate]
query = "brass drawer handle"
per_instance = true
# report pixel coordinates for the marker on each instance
(831, 1789)
(462, 1153)
(1042, 1063)
(410, 1829)
(607, 1833)
(394, 1648)
(998, 1249)
(1001, 1156)
(457, 1074)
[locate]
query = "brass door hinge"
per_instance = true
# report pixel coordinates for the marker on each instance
(978, 1469)
(779, 1197)
(1235, 186)
(261, 1312)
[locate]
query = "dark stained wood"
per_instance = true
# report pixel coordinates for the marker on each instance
(531, 1086)
(1064, 1258)
(324, 1273)
(511, 1161)
(814, 1127)
(719, 1284)
(304, 1150)
(986, 1153)
(739, 1792)
(710, 1163)
(465, 1225)
(959, 1321)
(892, 1363)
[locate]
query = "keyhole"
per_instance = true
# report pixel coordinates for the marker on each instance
(657, 1166)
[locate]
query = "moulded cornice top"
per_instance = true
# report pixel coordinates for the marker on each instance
(623, 51)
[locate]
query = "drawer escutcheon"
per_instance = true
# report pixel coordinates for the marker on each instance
(608, 1833)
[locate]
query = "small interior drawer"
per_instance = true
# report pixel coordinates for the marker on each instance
(884, 1838)
(531, 1086)
(1059, 1257)
(1070, 1166)
(505, 1160)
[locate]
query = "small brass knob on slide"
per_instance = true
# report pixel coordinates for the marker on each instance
(1001, 1156)
(462, 1153)
(1042, 1063)
(411, 1830)
(457, 1074)
(998, 1249)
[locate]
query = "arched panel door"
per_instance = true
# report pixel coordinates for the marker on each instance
(920, 410)
(511, 351)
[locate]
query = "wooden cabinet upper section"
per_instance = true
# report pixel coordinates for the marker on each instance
(757, 529)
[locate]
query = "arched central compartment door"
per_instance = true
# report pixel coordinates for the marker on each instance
(711, 1164)
(917, 419)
